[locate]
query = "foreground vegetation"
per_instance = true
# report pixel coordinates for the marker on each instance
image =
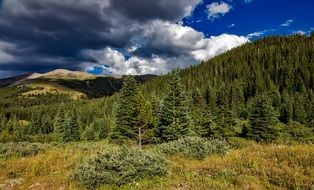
(253, 166)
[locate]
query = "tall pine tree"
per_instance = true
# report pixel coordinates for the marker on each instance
(35, 125)
(144, 128)
(58, 124)
(102, 126)
(71, 129)
(225, 117)
(262, 119)
(126, 111)
(202, 121)
(174, 121)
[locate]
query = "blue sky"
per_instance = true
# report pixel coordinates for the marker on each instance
(246, 17)
(118, 37)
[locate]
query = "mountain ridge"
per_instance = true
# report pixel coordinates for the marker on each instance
(88, 84)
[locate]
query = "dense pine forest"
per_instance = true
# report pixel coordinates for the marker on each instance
(262, 90)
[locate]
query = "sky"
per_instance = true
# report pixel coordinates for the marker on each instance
(116, 37)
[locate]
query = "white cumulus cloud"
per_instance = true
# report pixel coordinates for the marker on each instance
(216, 9)
(170, 46)
(118, 64)
(216, 45)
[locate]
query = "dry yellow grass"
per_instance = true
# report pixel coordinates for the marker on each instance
(45, 171)
(254, 167)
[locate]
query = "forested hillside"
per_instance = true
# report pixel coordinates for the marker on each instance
(273, 63)
(281, 68)
(218, 98)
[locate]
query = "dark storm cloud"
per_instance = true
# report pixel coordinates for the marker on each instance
(170, 10)
(47, 33)
(53, 27)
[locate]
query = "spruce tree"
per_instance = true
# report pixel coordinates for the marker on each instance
(90, 134)
(35, 125)
(299, 113)
(126, 111)
(71, 129)
(101, 126)
(286, 108)
(225, 117)
(46, 125)
(66, 132)
(144, 127)
(19, 132)
(262, 119)
(155, 103)
(200, 114)
(174, 121)
(59, 122)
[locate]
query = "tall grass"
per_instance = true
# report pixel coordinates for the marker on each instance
(249, 167)
(12, 150)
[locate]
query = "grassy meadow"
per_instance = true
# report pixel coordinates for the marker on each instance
(247, 165)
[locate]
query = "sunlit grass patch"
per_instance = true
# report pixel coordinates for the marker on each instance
(253, 167)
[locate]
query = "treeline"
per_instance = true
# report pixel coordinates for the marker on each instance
(56, 122)
(178, 114)
(33, 117)
(262, 90)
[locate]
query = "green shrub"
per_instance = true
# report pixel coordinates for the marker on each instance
(24, 149)
(193, 147)
(119, 166)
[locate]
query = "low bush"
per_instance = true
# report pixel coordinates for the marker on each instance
(193, 147)
(119, 166)
(11, 150)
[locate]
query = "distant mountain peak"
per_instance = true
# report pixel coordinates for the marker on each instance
(73, 81)
(63, 73)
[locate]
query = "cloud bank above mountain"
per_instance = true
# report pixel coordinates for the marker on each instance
(136, 37)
